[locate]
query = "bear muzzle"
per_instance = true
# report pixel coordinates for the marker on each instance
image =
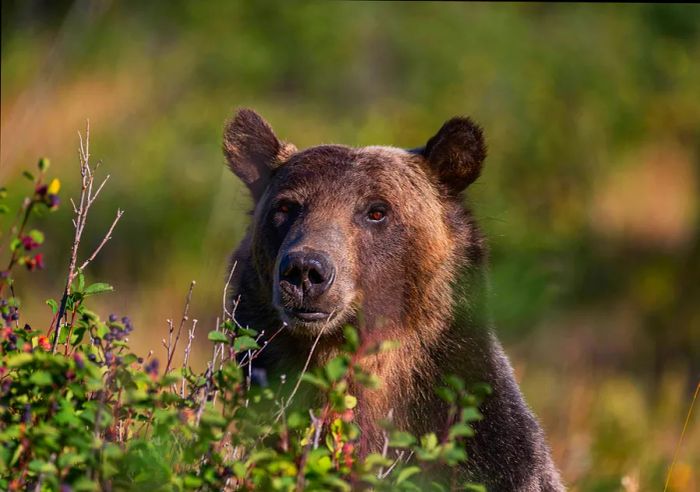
(304, 278)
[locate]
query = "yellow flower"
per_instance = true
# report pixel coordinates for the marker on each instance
(54, 187)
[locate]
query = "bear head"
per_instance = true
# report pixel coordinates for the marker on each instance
(341, 232)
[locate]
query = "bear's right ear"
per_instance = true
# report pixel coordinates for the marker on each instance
(456, 153)
(253, 151)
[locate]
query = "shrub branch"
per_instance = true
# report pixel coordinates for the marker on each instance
(87, 198)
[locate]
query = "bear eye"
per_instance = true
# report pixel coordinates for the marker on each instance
(283, 207)
(377, 213)
(284, 211)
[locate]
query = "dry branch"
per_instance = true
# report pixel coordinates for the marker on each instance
(87, 198)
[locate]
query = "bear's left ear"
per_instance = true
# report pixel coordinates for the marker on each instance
(456, 153)
(253, 150)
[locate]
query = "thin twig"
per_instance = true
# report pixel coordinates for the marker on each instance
(251, 355)
(171, 350)
(227, 314)
(399, 457)
(680, 440)
(106, 238)
(99, 188)
(318, 426)
(208, 375)
(385, 447)
(303, 371)
(169, 343)
(186, 357)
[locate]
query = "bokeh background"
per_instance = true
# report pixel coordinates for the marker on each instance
(589, 195)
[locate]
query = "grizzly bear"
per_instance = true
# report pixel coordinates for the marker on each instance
(381, 233)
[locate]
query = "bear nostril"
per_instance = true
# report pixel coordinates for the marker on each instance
(311, 272)
(293, 275)
(315, 277)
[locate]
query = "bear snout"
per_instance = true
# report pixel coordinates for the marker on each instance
(304, 277)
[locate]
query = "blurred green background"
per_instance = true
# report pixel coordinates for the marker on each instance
(589, 195)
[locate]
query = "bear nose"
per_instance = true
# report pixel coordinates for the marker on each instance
(310, 273)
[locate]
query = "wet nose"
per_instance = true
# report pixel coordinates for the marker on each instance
(308, 273)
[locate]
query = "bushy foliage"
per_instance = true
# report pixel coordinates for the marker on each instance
(83, 412)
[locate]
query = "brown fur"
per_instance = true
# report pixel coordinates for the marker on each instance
(417, 277)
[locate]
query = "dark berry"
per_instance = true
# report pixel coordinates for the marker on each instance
(53, 201)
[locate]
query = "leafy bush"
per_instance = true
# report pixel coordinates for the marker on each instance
(80, 411)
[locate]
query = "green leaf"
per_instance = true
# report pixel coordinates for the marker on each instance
(461, 430)
(43, 164)
(15, 244)
(406, 473)
(481, 389)
(101, 330)
(84, 484)
(70, 459)
(315, 380)
(28, 175)
(41, 378)
(98, 288)
(39, 466)
(429, 441)
(192, 482)
(455, 382)
(53, 304)
(4, 209)
(337, 367)
(243, 343)
(239, 469)
(247, 331)
(351, 337)
(81, 282)
(453, 454)
(78, 335)
(36, 235)
(470, 414)
(446, 394)
(217, 337)
(129, 359)
(19, 360)
(401, 439)
(295, 420)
